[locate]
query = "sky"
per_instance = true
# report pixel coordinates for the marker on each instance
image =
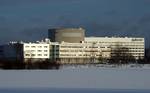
(28, 20)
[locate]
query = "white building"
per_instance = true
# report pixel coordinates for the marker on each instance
(135, 46)
(36, 51)
(25, 52)
(92, 50)
(80, 52)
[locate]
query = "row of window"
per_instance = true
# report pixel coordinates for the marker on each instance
(99, 51)
(82, 47)
(128, 54)
(127, 48)
(79, 50)
(42, 50)
(71, 47)
(37, 50)
(136, 47)
(36, 46)
(124, 56)
(78, 46)
(35, 55)
(89, 55)
(114, 42)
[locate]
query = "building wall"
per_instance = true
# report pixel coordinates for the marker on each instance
(93, 49)
(135, 46)
(82, 52)
(72, 35)
(36, 51)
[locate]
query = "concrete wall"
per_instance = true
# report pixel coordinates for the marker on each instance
(72, 35)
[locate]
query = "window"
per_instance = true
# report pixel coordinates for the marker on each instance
(27, 54)
(45, 54)
(32, 50)
(39, 54)
(45, 50)
(27, 46)
(45, 46)
(39, 50)
(33, 55)
(33, 46)
(39, 46)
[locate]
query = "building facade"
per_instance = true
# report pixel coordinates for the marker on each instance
(25, 52)
(92, 50)
(135, 47)
(71, 35)
(36, 51)
(82, 53)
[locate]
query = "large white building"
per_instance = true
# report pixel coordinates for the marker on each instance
(91, 50)
(94, 49)
(134, 46)
(82, 52)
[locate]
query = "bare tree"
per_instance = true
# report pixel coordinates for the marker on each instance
(29, 58)
(121, 54)
(92, 54)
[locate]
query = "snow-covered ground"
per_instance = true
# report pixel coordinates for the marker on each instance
(106, 66)
(80, 77)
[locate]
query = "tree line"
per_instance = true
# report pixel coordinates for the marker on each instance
(17, 64)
